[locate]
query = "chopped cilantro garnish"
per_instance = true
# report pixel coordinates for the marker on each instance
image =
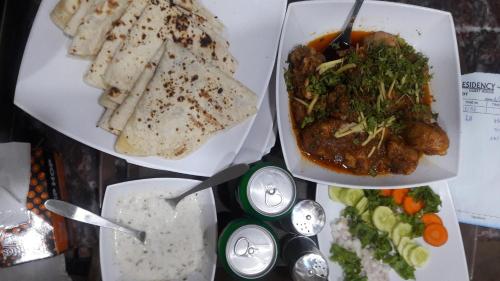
(288, 81)
(307, 120)
(349, 261)
(379, 242)
(432, 201)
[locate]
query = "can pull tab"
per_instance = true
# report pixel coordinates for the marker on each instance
(244, 247)
(273, 196)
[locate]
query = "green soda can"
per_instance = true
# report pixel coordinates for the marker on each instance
(248, 249)
(266, 192)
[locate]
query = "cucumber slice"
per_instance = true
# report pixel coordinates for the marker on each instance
(407, 250)
(334, 192)
(362, 205)
(401, 229)
(366, 217)
(351, 196)
(402, 244)
(419, 256)
(384, 218)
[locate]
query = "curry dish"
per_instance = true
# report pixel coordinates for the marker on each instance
(367, 112)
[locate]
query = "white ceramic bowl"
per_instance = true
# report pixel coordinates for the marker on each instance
(110, 269)
(430, 31)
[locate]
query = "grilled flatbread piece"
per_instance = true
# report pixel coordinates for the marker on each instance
(161, 21)
(114, 40)
(76, 20)
(186, 102)
(92, 32)
(106, 102)
(63, 11)
(104, 122)
(116, 95)
(124, 111)
(199, 10)
(117, 36)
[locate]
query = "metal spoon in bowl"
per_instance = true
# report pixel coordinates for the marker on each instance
(219, 178)
(74, 212)
(343, 40)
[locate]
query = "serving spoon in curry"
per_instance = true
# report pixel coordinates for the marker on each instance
(343, 40)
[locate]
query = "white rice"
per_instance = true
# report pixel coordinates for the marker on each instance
(374, 269)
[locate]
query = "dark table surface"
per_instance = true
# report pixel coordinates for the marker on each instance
(89, 171)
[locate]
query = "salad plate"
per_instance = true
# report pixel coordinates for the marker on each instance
(446, 262)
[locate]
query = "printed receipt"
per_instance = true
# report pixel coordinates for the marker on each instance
(476, 191)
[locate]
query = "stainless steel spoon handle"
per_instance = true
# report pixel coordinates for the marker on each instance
(73, 212)
(347, 28)
(221, 177)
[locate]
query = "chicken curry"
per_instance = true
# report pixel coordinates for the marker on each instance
(367, 112)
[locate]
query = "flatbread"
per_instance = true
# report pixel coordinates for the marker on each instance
(106, 102)
(161, 21)
(104, 122)
(92, 32)
(126, 108)
(117, 36)
(63, 11)
(205, 17)
(116, 95)
(197, 8)
(186, 103)
(205, 25)
(114, 40)
(211, 18)
(77, 18)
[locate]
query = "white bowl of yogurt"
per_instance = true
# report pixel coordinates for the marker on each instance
(180, 243)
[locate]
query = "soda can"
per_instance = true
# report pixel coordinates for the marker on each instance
(248, 249)
(307, 218)
(305, 261)
(266, 192)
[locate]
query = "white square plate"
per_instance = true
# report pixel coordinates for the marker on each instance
(262, 136)
(50, 85)
(446, 263)
(110, 269)
(430, 31)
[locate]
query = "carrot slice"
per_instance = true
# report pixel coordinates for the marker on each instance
(385, 192)
(435, 234)
(411, 206)
(431, 218)
(399, 195)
